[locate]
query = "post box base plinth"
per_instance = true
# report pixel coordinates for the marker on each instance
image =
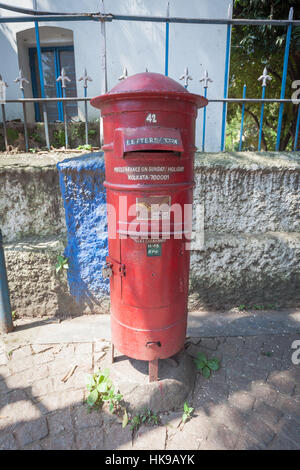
(131, 378)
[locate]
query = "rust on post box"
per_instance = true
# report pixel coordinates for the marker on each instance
(149, 145)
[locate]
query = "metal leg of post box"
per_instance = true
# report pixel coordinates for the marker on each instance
(153, 370)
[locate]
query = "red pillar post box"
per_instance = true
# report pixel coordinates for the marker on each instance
(149, 145)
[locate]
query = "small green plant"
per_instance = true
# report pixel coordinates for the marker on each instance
(102, 390)
(242, 307)
(36, 137)
(84, 147)
(187, 412)
(62, 263)
(91, 132)
(205, 365)
(147, 417)
(267, 353)
(59, 138)
(33, 150)
(13, 314)
(12, 134)
(9, 354)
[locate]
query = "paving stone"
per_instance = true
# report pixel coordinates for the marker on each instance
(101, 345)
(291, 429)
(281, 442)
(84, 419)
(40, 348)
(199, 425)
(4, 372)
(253, 373)
(118, 438)
(242, 400)
(20, 353)
(83, 348)
(44, 357)
(42, 387)
(183, 441)
(290, 406)
(18, 411)
(209, 343)
(282, 381)
(264, 391)
(59, 422)
(247, 442)
(148, 437)
(8, 442)
(54, 401)
(90, 439)
(31, 431)
(34, 446)
(207, 390)
(269, 414)
(63, 441)
(171, 421)
(220, 438)
(259, 430)
(3, 359)
(194, 340)
(20, 365)
(229, 416)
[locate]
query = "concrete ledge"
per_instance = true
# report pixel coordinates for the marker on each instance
(248, 269)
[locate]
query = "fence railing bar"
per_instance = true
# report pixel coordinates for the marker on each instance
(226, 78)
(167, 43)
(242, 119)
(211, 100)
(40, 65)
(297, 129)
(152, 19)
(284, 74)
(4, 126)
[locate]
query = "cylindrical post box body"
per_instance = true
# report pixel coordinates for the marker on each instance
(149, 145)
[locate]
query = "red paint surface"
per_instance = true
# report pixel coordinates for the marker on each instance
(146, 158)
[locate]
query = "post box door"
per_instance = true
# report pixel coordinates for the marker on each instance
(155, 272)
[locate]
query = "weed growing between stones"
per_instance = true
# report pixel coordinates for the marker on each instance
(102, 390)
(205, 365)
(187, 412)
(147, 418)
(62, 263)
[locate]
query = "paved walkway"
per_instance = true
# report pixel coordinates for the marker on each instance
(252, 402)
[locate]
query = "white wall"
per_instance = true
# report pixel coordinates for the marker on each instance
(134, 45)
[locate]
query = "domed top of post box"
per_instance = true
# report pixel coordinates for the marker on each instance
(147, 85)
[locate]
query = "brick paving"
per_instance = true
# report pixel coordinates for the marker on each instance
(252, 402)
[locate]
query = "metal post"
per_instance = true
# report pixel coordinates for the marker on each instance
(40, 64)
(242, 119)
(3, 85)
(63, 78)
(4, 126)
(284, 74)
(264, 77)
(167, 42)
(103, 66)
(85, 78)
(227, 55)
(204, 79)
(6, 322)
(297, 129)
(20, 79)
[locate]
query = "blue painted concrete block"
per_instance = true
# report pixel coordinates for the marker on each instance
(81, 182)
